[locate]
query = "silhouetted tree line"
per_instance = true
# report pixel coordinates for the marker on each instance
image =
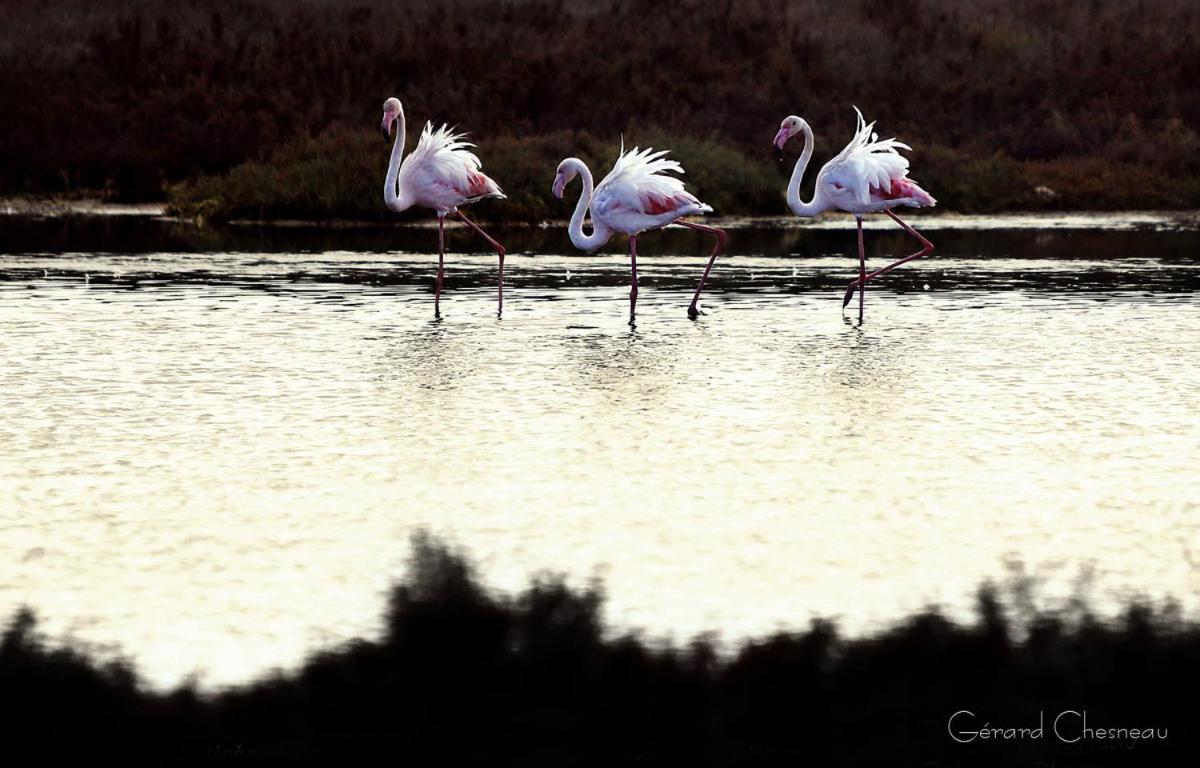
(462, 676)
(128, 96)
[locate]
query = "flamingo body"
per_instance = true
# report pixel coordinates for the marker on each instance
(869, 175)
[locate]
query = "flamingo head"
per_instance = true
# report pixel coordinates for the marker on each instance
(391, 111)
(787, 129)
(563, 176)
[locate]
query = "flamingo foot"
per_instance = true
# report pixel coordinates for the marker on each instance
(849, 293)
(693, 313)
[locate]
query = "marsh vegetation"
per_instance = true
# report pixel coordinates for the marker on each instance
(264, 108)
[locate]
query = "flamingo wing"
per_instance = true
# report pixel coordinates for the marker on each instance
(869, 169)
(444, 172)
(638, 184)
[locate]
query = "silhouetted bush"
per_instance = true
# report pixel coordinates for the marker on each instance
(339, 174)
(131, 96)
(464, 676)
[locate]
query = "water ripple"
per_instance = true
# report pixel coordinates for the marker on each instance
(213, 461)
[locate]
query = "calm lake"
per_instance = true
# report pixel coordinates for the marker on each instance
(215, 445)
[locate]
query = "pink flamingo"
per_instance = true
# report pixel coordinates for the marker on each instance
(440, 173)
(868, 176)
(635, 196)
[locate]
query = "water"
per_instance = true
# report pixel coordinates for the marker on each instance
(216, 445)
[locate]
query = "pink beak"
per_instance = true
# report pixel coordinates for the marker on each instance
(386, 126)
(559, 185)
(781, 138)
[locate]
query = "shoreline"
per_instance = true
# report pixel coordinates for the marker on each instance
(53, 208)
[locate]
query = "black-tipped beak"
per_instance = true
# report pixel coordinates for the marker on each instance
(779, 140)
(386, 127)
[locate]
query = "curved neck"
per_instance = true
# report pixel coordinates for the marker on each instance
(799, 207)
(393, 198)
(600, 233)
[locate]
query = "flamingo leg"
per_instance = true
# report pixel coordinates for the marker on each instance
(927, 248)
(499, 252)
(693, 311)
(437, 290)
(862, 272)
(633, 281)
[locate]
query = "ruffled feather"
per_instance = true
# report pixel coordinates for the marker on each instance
(638, 181)
(866, 163)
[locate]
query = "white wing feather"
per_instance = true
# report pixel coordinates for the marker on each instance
(867, 162)
(638, 180)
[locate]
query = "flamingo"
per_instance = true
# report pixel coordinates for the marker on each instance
(440, 173)
(868, 176)
(635, 196)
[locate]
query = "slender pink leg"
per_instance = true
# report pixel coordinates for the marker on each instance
(632, 277)
(862, 272)
(925, 251)
(693, 311)
(500, 252)
(437, 291)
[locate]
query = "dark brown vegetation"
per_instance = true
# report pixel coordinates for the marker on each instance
(1095, 101)
(461, 676)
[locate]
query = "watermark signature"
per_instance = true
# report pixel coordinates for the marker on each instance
(1068, 727)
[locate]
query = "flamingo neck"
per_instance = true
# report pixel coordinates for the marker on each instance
(600, 233)
(393, 197)
(798, 206)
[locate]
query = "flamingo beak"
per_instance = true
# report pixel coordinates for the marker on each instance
(560, 184)
(386, 126)
(781, 139)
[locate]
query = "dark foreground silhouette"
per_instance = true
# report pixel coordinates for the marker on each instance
(462, 676)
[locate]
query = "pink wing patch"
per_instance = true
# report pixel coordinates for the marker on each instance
(477, 184)
(904, 188)
(654, 205)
